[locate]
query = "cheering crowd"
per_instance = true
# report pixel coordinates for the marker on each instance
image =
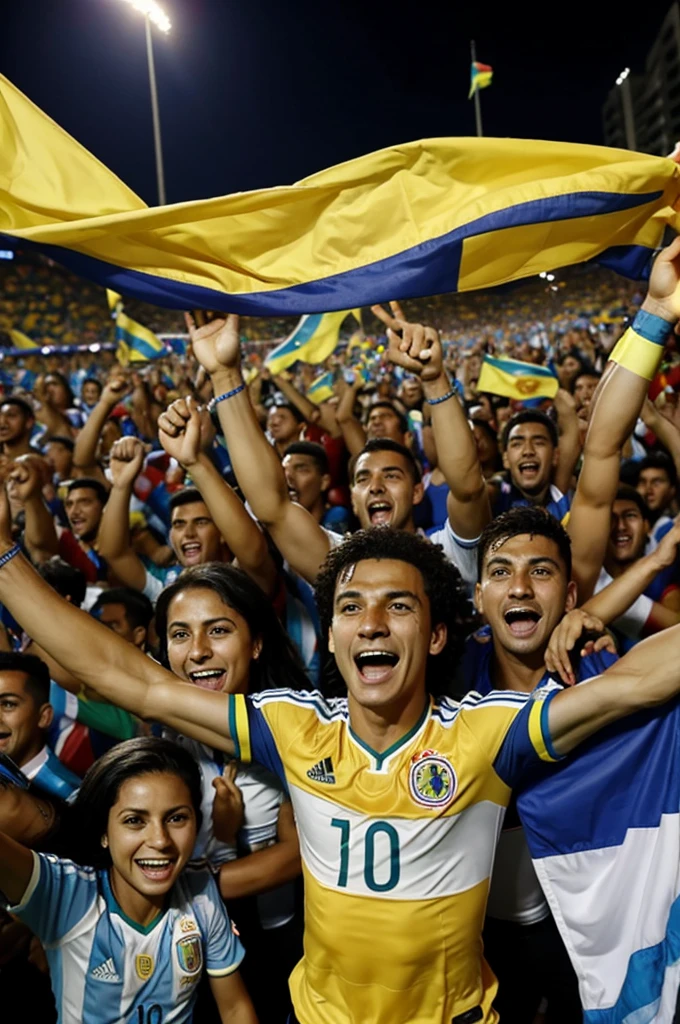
(272, 668)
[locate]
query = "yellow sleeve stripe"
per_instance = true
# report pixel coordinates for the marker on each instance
(539, 733)
(239, 729)
(637, 354)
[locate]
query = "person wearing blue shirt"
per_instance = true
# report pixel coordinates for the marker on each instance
(523, 592)
(25, 717)
(129, 937)
(532, 458)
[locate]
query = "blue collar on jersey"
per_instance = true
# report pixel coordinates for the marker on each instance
(476, 664)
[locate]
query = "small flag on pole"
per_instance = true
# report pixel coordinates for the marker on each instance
(21, 340)
(321, 389)
(515, 379)
(480, 77)
(312, 341)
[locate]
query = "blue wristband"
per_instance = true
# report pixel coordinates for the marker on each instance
(228, 394)
(444, 398)
(651, 327)
(9, 555)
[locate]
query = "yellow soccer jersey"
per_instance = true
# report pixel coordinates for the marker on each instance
(397, 847)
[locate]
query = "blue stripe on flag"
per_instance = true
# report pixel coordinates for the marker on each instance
(430, 268)
(519, 369)
(639, 998)
(626, 776)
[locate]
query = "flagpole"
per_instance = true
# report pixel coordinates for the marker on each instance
(478, 106)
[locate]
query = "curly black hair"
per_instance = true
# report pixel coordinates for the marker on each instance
(443, 586)
(523, 519)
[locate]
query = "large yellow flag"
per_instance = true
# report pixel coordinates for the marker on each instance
(439, 215)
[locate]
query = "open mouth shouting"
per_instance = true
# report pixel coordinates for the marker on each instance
(157, 869)
(209, 678)
(522, 621)
(191, 552)
(376, 666)
(380, 513)
(530, 467)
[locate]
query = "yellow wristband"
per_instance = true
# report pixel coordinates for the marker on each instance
(637, 354)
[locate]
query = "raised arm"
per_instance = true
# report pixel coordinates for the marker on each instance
(665, 429)
(54, 421)
(615, 409)
(84, 454)
(295, 532)
(179, 431)
(16, 868)
(418, 349)
(109, 665)
(24, 484)
(616, 598)
(570, 439)
(645, 677)
(113, 537)
(352, 431)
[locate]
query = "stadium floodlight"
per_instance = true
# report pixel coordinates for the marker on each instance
(623, 76)
(153, 11)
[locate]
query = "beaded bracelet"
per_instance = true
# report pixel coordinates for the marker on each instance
(444, 398)
(9, 555)
(228, 394)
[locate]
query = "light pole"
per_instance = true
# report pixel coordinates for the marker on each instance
(623, 81)
(153, 13)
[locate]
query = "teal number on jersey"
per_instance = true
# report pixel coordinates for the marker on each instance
(377, 828)
(150, 1014)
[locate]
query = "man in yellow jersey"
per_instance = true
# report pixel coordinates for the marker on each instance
(398, 796)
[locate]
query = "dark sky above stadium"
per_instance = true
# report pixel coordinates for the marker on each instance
(256, 93)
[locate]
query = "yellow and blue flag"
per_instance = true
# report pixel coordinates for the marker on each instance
(312, 341)
(321, 389)
(136, 343)
(480, 77)
(515, 379)
(21, 340)
(423, 218)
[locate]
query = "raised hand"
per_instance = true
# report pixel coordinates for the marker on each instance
(179, 431)
(663, 293)
(116, 388)
(566, 635)
(414, 347)
(126, 461)
(216, 345)
(25, 478)
(228, 811)
(667, 550)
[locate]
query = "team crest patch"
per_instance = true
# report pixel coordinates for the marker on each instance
(144, 966)
(432, 780)
(190, 954)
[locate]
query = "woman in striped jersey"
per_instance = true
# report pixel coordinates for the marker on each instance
(129, 937)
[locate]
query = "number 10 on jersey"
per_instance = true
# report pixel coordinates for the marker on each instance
(381, 831)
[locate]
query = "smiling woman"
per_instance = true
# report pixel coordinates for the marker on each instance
(145, 927)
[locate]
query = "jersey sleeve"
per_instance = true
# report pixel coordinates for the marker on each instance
(223, 949)
(251, 732)
(527, 741)
(58, 896)
(463, 553)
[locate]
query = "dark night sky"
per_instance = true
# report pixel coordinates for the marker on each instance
(262, 92)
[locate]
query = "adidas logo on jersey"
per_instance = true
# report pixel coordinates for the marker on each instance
(322, 771)
(106, 972)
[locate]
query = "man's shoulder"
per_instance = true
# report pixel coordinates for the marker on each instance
(312, 702)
